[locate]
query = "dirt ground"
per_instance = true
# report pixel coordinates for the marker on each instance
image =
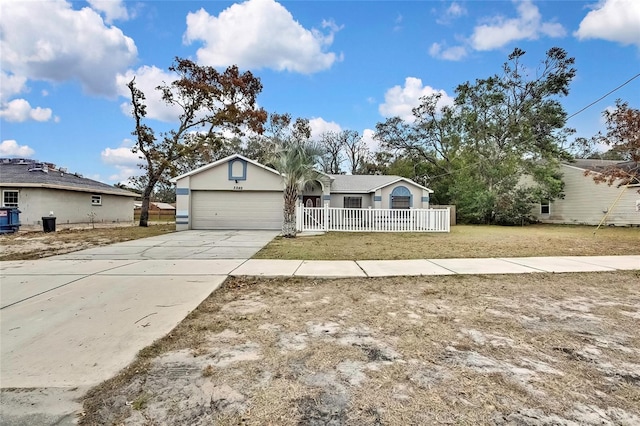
(32, 243)
(536, 349)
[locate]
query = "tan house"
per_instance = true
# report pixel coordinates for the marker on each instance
(41, 190)
(587, 202)
(239, 193)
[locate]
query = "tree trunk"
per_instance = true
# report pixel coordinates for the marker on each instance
(289, 223)
(144, 209)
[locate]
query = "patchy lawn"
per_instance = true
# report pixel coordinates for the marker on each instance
(37, 244)
(514, 349)
(464, 241)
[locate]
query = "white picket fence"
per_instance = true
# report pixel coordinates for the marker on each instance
(323, 219)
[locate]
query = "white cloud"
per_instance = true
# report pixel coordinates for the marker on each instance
(453, 53)
(113, 10)
(10, 148)
(455, 10)
(124, 160)
(19, 110)
(319, 125)
(124, 174)
(51, 41)
(400, 101)
(367, 137)
(260, 34)
(11, 85)
(120, 156)
(147, 79)
(612, 20)
(500, 31)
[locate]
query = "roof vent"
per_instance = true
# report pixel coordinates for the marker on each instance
(38, 167)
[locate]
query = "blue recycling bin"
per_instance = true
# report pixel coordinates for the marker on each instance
(9, 220)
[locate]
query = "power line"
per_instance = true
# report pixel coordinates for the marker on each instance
(604, 96)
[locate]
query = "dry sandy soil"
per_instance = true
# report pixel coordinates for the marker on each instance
(31, 243)
(538, 349)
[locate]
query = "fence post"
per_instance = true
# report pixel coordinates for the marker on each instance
(298, 218)
(326, 217)
(412, 225)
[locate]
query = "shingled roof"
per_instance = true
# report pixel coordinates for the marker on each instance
(365, 183)
(629, 168)
(31, 174)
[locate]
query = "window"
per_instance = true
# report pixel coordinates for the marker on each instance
(545, 207)
(352, 202)
(400, 198)
(10, 198)
(400, 202)
(96, 200)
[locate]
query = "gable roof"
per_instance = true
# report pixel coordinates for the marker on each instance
(30, 174)
(339, 183)
(367, 183)
(222, 161)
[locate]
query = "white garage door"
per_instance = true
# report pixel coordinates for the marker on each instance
(236, 210)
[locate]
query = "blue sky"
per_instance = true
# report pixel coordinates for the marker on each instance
(342, 64)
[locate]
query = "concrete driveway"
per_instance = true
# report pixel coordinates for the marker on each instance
(70, 322)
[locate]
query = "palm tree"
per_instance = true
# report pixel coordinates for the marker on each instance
(295, 160)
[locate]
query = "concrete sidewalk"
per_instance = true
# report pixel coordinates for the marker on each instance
(416, 267)
(61, 270)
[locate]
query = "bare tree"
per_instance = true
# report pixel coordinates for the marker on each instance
(332, 152)
(356, 150)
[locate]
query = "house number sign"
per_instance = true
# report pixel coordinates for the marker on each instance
(237, 188)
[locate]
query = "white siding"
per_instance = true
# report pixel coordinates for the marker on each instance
(586, 202)
(236, 210)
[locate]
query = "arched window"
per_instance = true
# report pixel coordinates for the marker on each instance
(400, 198)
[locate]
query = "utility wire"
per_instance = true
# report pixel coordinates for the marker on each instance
(604, 96)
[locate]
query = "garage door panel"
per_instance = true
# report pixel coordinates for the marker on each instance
(236, 210)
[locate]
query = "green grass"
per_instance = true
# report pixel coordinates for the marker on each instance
(464, 241)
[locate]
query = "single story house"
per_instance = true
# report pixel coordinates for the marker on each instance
(239, 193)
(587, 202)
(42, 190)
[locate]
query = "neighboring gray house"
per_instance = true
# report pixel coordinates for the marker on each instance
(41, 189)
(587, 202)
(238, 193)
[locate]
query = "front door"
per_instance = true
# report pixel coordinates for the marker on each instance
(311, 201)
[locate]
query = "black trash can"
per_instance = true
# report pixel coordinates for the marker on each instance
(49, 224)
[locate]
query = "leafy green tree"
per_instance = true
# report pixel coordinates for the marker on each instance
(499, 130)
(209, 101)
